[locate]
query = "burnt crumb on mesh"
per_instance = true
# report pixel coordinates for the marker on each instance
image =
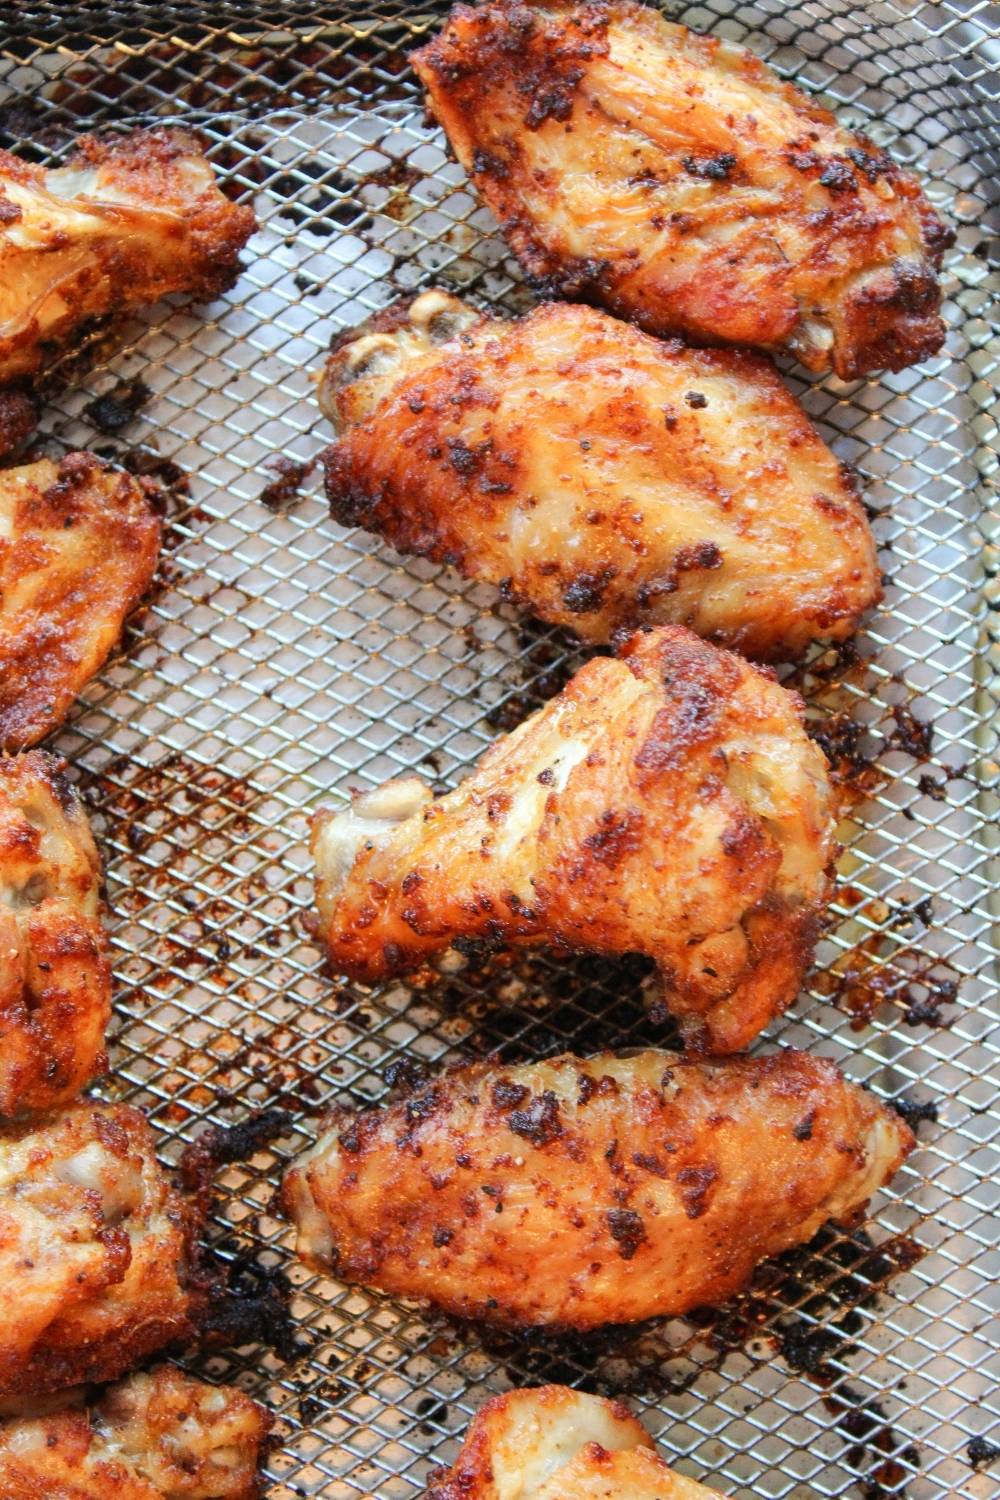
(924, 1007)
(144, 463)
(113, 411)
(291, 474)
(835, 1283)
(914, 1111)
(876, 972)
(546, 661)
(854, 767)
(911, 734)
(221, 1145)
(328, 201)
(432, 1411)
(252, 1307)
(982, 1451)
(882, 1461)
(511, 1003)
(310, 1408)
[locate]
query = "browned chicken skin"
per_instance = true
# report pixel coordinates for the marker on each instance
(667, 803)
(156, 1436)
(79, 544)
(598, 476)
(553, 1443)
(97, 1267)
(580, 1192)
(124, 221)
(55, 979)
(675, 179)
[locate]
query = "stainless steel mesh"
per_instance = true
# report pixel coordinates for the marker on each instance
(285, 659)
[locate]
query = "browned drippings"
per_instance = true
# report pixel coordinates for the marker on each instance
(852, 752)
(545, 664)
(164, 815)
(290, 474)
(113, 411)
(398, 177)
(248, 80)
(832, 1282)
(877, 971)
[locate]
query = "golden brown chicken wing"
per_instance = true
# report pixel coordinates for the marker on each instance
(580, 1192)
(675, 179)
(667, 803)
(125, 221)
(552, 1443)
(157, 1436)
(97, 1266)
(598, 476)
(79, 544)
(55, 979)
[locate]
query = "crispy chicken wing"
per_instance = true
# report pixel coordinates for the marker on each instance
(97, 1257)
(125, 221)
(79, 544)
(580, 1192)
(157, 1436)
(667, 803)
(55, 979)
(598, 476)
(674, 178)
(552, 1443)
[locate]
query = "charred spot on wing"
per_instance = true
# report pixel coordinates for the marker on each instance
(616, 835)
(696, 1184)
(837, 176)
(555, 102)
(539, 1122)
(585, 594)
(871, 161)
(715, 168)
(627, 1230)
(488, 164)
(18, 419)
(508, 1095)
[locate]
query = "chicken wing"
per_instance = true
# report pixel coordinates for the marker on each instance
(580, 1192)
(55, 979)
(675, 179)
(598, 476)
(157, 1436)
(126, 220)
(552, 1443)
(667, 803)
(97, 1256)
(79, 544)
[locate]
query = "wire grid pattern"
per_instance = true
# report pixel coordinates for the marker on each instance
(285, 659)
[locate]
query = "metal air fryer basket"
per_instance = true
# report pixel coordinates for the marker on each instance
(284, 659)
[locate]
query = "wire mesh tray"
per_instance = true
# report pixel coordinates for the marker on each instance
(284, 659)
